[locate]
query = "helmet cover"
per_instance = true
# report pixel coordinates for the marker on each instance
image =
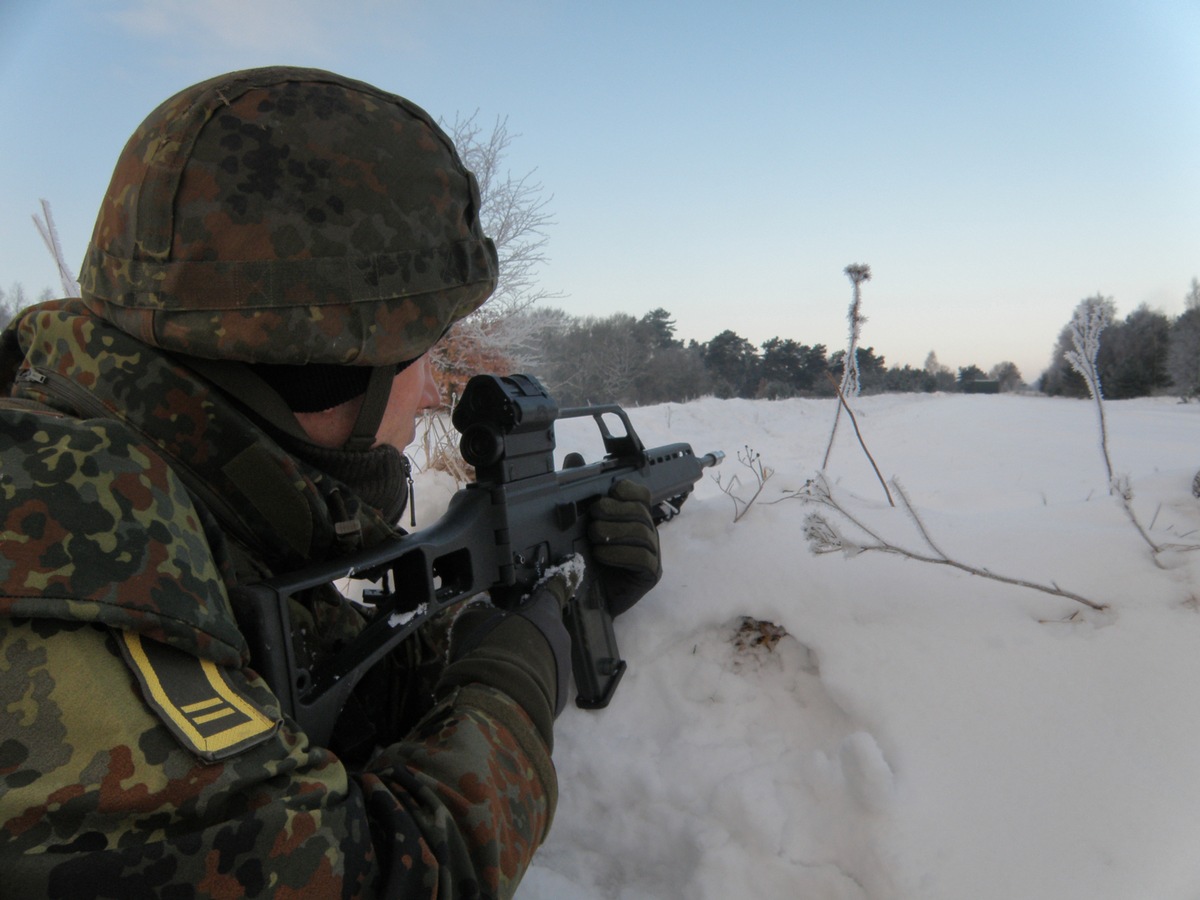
(289, 216)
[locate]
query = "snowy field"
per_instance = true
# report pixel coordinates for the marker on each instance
(919, 732)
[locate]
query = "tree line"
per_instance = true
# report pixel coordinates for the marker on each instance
(626, 359)
(639, 360)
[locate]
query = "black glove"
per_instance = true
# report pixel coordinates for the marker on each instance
(624, 545)
(524, 651)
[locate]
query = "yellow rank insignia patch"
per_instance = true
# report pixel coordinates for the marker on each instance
(196, 699)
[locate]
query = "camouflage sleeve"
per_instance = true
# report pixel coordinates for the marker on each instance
(100, 798)
(478, 777)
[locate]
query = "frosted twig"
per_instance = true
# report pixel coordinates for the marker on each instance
(912, 512)
(824, 536)
(752, 460)
(1091, 317)
(1124, 491)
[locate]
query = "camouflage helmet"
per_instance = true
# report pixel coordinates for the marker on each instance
(285, 215)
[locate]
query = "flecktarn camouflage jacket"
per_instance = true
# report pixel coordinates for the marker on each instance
(140, 756)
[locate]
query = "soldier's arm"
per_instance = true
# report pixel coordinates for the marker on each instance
(101, 795)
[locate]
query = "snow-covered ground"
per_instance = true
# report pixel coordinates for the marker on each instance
(920, 732)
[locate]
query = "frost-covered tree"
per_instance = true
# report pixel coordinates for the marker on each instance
(514, 213)
(595, 360)
(531, 335)
(616, 358)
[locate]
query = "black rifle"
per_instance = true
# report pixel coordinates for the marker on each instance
(499, 534)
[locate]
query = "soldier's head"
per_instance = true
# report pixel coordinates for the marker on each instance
(291, 227)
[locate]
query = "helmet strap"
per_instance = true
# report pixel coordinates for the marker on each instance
(370, 414)
(239, 381)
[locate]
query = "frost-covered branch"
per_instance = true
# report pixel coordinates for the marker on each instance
(825, 536)
(1090, 319)
(513, 212)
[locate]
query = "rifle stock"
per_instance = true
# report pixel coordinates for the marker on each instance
(498, 534)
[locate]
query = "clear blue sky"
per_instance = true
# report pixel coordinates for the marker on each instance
(993, 163)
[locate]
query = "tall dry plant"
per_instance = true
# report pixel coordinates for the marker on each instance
(851, 379)
(825, 531)
(49, 232)
(1088, 322)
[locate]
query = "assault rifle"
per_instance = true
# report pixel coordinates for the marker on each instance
(499, 534)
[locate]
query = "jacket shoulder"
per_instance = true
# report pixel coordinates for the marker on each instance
(96, 527)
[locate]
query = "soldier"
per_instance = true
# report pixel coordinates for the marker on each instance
(278, 250)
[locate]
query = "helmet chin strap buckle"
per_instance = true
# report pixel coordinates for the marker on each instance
(370, 414)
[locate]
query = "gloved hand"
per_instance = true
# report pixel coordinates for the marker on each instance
(624, 544)
(524, 651)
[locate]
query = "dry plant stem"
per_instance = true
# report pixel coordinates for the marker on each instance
(1090, 319)
(1103, 433)
(941, 559)
(49, 232)
(1155, 549)
(920, 523)
(858, 434)
(833, 431)
(752, 461)
(1114, 487)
